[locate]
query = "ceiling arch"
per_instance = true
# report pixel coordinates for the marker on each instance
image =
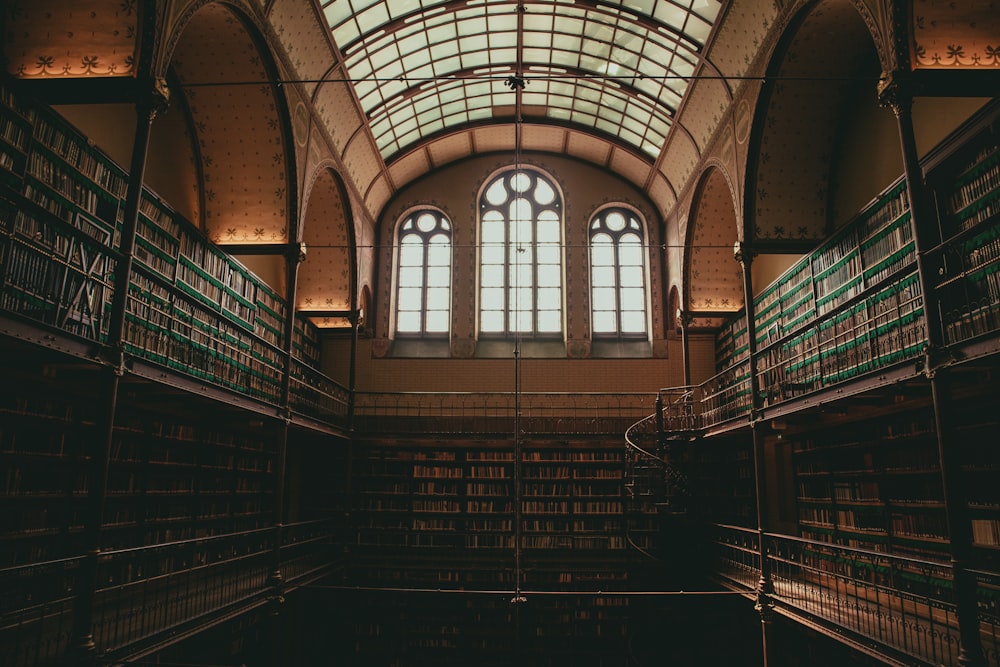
(816, 75)
(327, 278)
(240, 130)
(713, 279)
(419, 67)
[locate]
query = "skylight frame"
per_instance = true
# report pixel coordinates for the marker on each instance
(634, 57)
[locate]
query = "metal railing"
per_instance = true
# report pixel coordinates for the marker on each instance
(147, 594)
(897, 606)
(496, 412)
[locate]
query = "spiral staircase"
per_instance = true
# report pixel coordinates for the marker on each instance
(657, 492)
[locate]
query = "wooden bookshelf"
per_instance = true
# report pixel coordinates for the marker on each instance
(460, 495)
(873, 484)
(190, 306)
(45, 437)
(966, 186)
(850, 307)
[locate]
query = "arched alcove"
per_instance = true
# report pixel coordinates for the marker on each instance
(821, 147)
(221, 66)
(328, 276)
(713, 280)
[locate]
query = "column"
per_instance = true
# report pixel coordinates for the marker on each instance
(897, 94)
(84, 648)
(764, 605)
(684, 319)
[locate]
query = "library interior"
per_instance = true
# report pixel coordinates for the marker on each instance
(604, 333)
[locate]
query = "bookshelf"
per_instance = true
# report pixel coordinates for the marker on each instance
(171, 476)
(851, 306)
(873, 484)
(190, 306)
(173, 479)
(45, 436)
(459, 495)
(965, 182)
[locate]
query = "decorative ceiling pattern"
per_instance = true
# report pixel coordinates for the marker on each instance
(715, 278)
(949, 34)
(422, 66)
(741, 35)
(324, 281)
(237, 127)
(805, 102)
(81, 39)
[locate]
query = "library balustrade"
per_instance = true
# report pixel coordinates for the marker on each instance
(317, 396)
(897, 607)
(309, 548)
(61, 276)
(495, 412)
(36, 611)
(151, 593)
(968, 282)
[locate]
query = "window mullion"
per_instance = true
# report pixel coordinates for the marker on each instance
(425, 260)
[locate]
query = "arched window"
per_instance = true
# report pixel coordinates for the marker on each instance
(617, 274)
(520, 269)
(423, 275)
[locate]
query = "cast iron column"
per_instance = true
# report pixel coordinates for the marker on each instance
(765, 605)
(84, 647)
(897, 94)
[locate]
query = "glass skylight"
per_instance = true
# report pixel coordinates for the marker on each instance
(422, 66)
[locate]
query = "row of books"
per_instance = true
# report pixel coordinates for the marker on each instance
(924, 524)
(66, 177)
(74, 151)
(976, 189)
(14, 132)
(887, 211)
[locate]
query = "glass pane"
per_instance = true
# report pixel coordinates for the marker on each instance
(520, 182)
(548, 229)
(633, 322)
(549, 298)
(411, 276)
(602, 276)
(408, 322)
(631, 276)
(604, 298)
(438, 276)
(549, 253)
(549, 276)
(491, 321)
(549, 322)
(426, 222)
(523, 322)
(521, 275)
(602, 254)
(521, 254)
(492, 276)
(615, 221)
(521, 299)
(520, 214)
(411, 254)
(410, 298)
(493, 228)
(604, 322)
(439, 254)
(437, 322)
(493, 254)
(492, 298)
(496, 194)
(632, 299)
(544, 194)
(630, 254)
(438, 298)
